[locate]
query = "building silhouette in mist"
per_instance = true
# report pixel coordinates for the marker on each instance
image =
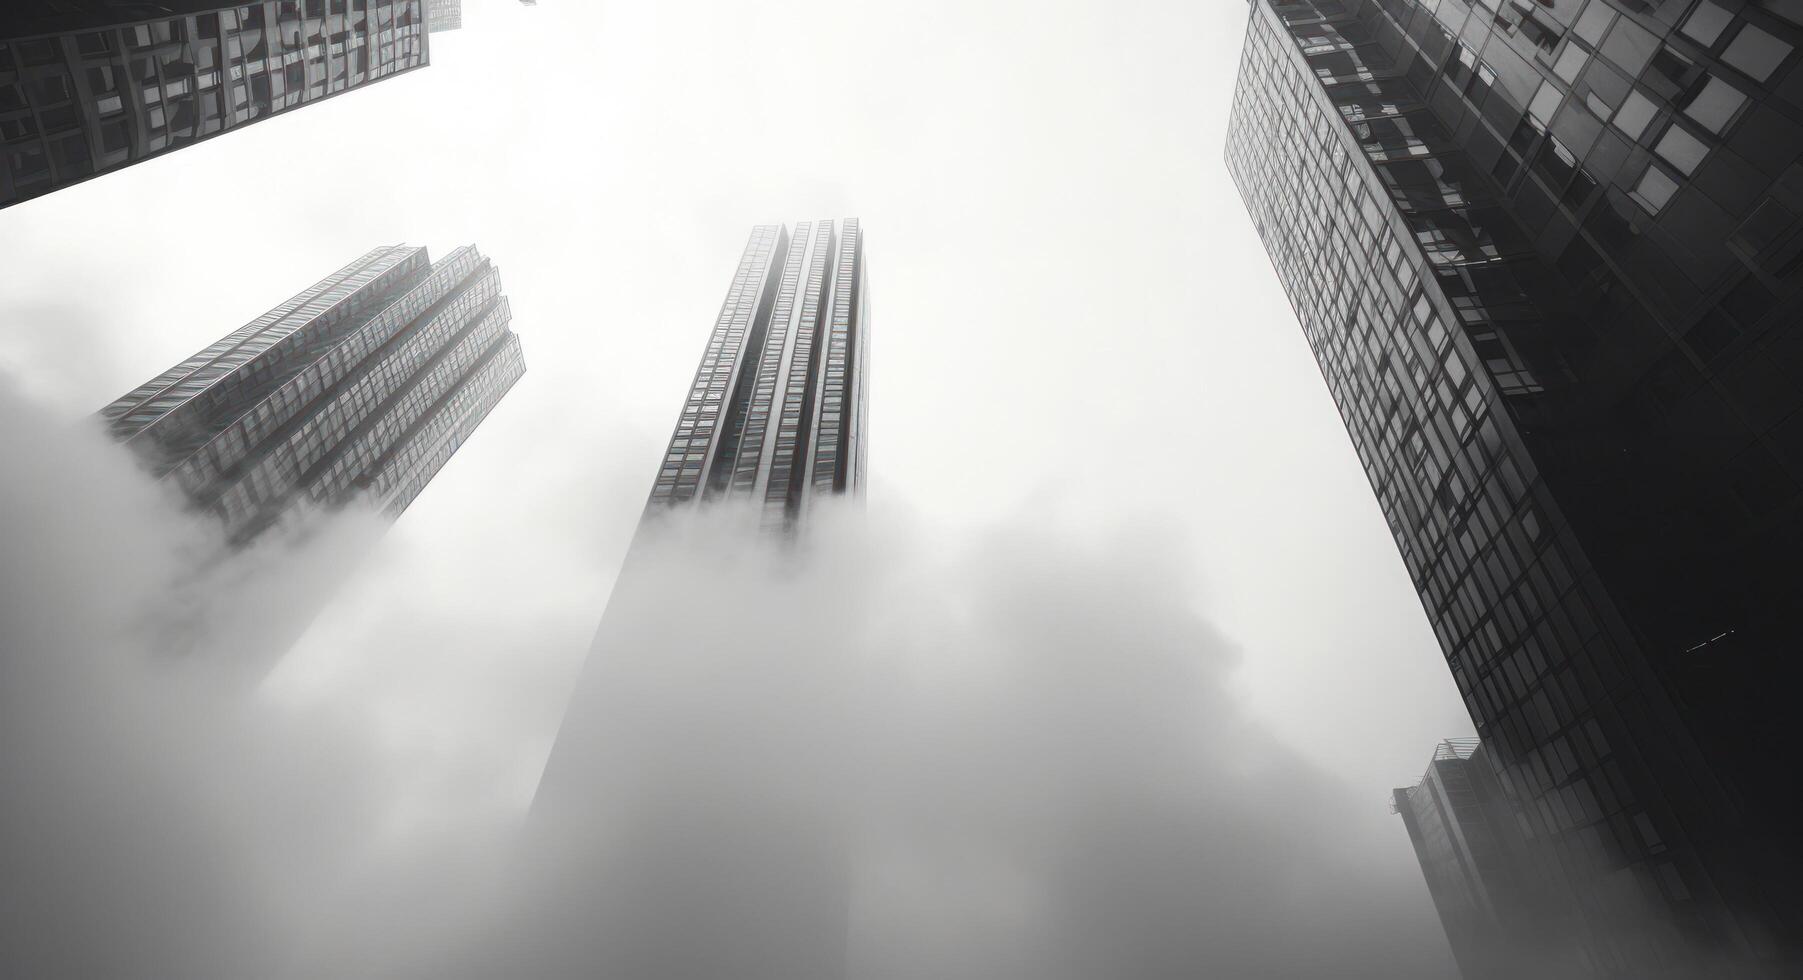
(361, 386)
(90, 86)
(756, 889)
(1470, 848)
(1546, 256)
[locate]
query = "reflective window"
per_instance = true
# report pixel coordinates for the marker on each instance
(1655, 188)
(1755, 52)
(1715, 104)
(1706, 23)
(1680, 149)
(1595, 22)
(1546, 102)
(1637, 111)
(1571, 61)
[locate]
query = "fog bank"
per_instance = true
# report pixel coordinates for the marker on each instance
(1016, 753)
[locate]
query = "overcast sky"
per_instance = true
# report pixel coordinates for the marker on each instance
(1071, 315)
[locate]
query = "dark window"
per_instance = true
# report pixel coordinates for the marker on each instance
(115, 136)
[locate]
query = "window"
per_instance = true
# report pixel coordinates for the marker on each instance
(1630, 46)
(1706, 23)
(1571, 61)
(1680, 149)
(1755, 52)
(1595, 22)
(1715, 104)
(1545, 103)
(1636, 112)
(1655, 189)
(54, 89)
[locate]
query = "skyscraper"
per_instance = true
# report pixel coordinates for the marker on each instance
(89, 86)
(776, 413)
(365, 383)
(1469, 846)
(691, 885)
(443, 15)
(1546, 257)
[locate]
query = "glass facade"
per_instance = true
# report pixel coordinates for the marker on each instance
(1546, 257)
(777, 409)
(443, 15)
(363, 384)
(90, 87)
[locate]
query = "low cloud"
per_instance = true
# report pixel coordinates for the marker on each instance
(888, 751)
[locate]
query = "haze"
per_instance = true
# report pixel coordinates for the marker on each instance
(1088, 392)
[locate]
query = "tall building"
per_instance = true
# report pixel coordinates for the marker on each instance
(1470, 849)
(89, 86)
(1546, 257)
(363, 384)
(689, 884)
(443, 15)
(776, 413)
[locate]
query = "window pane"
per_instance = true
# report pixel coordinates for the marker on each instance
(1756, 52)
(1546, 101)
(1706, 23)
(1570, 62)
(1630, 45)
(1636, 112)
(1680, 149)
(1654, 189)
(1715, 105)
(1595, 21)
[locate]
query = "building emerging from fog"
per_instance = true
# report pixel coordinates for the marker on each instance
(89, 86)
(443, 15)
(1470, 849)
(776, 413)
(1547, 258)
(714, 865)
(363, 384)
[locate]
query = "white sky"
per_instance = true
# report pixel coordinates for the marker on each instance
(1069, 305)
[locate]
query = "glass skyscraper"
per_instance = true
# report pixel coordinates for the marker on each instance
(1546, 255)
(363, 384)
(777, 412)
(88, 86)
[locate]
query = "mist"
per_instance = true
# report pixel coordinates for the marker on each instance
(1018, 751)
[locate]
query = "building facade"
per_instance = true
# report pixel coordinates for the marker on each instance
(777, 411)
(1546, 257)
(362, 385)
(90, 86)
(443, 15)
(1470, 849)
